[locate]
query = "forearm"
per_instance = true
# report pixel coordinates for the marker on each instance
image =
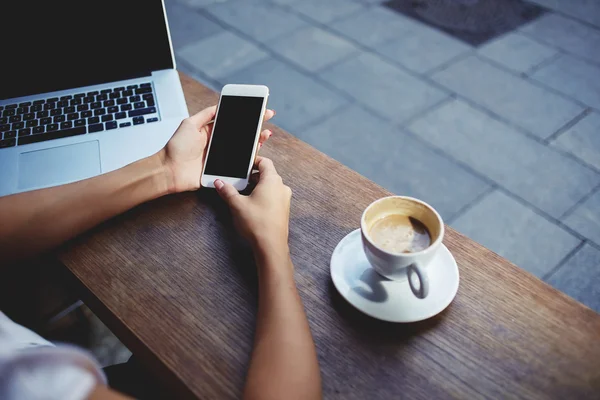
(35, 221)
(284, 361)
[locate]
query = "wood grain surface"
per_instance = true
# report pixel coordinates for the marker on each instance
(174, 282)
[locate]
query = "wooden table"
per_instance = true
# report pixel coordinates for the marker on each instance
(174, 282)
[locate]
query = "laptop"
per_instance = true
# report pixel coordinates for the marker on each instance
(86, 87)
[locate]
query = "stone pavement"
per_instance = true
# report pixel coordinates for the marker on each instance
(502, 137)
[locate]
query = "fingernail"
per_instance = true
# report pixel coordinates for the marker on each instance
(219, 184)
(270, 134)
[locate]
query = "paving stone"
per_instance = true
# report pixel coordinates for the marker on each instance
(580, 277)
(533, 108)
(585, 219)
(261, 21)
(407, 49)
(313, 48)
(517, 52)
(566, 34)
(384, 88)
(573, 77)
(221, 54)
(188, 26)
(517, 233)
(326, 11)
(583, 140)
(536, 173)
(584, 10)
(375, 25)
(298, 99)
(386, 155)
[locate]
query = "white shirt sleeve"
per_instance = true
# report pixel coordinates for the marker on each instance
(31, 368)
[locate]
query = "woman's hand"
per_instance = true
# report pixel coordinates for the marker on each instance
(184, 155)
(263, 217)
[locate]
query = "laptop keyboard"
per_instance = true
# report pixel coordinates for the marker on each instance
(91, 112)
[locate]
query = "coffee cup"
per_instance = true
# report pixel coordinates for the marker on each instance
(401, 236)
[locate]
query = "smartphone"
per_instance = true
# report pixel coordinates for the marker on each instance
(236, 131)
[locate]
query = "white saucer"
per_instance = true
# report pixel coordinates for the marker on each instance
(385, 299)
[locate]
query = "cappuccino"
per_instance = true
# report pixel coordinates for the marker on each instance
(397, 233)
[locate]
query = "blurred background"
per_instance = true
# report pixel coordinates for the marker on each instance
(487, 109)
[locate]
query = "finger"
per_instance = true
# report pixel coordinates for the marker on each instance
(264, 136)
(203, 117)
(265, 167)
(226, 191)
(269, 114)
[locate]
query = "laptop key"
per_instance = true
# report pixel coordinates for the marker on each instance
(66, 125)
(86, 114)
(147, 84)
(52, 127)
(72, 117)
(67, 97)
(60, 118)
(52, 100)
(143, 111)
(45, 121)
(18, 125)
(134, 99)
(11, 107)
(63, 133)
(15, 118)
(139, 104)
(79, 95)
(120, 115)
(69, 110)
(75, 102)
(126, 107)
(42, 114)
(109, 103)
(28, 116)
(7, 143)
(99, 111)
(150, 103)
(62, 103)
(119, 89)
(4, 127)
(152, 120)
(80, 122)
(122, 100)
(83, 107)
(114, 95)
(143, 90)
(22, 110)
(94, 93)
(36, 108)
(38, 102)
(107, 117)
(3, 120)
(95, 105)
(32, 123)
(96, 128)
(132, 87)
(8, 113)
(138, 120)
(124, 124)
(38, 129)
(88, 99)
(93, 120)
(127, 93)
(55, 112)
(104, 91)
(22, 132)
(49, 106)
(113, 109)
(102, 97)
(25, 104)
(111, 125)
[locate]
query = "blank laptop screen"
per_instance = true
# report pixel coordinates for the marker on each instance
(53, 45)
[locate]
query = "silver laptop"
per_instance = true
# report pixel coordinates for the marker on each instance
(85, 88)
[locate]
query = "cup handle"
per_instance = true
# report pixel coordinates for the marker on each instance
(423, 290)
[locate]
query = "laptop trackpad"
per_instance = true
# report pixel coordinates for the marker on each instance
(49, 167)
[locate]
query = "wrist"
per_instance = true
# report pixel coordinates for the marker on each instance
(270, 252)
(166, 176)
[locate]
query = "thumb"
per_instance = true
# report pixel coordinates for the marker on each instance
(226, 191)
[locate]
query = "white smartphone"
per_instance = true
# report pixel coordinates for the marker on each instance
(235, 135)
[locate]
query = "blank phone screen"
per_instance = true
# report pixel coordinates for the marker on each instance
(233, 136)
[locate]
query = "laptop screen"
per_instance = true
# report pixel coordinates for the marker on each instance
(62, 44)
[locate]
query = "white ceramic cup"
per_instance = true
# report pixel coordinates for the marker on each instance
(401, 266)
